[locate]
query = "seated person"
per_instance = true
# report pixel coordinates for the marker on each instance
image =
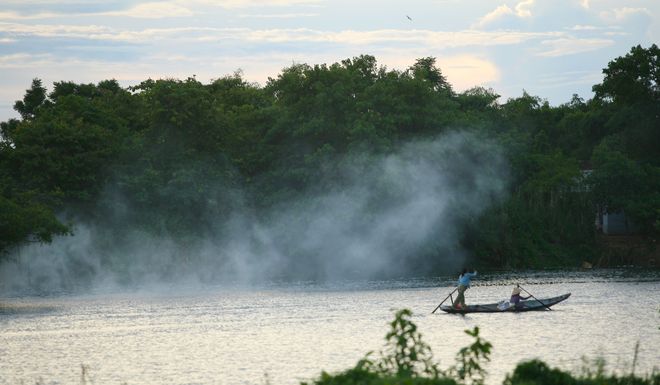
(516, 297)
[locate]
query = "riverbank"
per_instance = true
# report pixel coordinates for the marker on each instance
(627, 250)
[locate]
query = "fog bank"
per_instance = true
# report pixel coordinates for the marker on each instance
(379, 216)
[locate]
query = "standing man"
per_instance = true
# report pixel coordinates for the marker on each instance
(463, 284)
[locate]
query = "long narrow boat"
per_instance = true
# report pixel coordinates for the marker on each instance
(502, 307)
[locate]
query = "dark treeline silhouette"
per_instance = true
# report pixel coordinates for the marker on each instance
(180, 154)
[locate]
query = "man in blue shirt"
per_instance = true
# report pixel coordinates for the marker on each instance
(463, 284)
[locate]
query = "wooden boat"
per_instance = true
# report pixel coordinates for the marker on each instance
(503, 307)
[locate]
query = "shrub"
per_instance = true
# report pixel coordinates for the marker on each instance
(407, 360)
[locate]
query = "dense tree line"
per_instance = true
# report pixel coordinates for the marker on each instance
(177, 151)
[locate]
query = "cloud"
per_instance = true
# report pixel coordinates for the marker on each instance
(58, 2)
(53, 30)
(498, 13)
(583, 28)
(278, 15)
(521, 10)
(571, 46)
(436, 39)
(153, 11)
(19, 16)
(623, 14)
(14, 60)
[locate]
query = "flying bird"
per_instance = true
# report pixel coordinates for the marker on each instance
(408, 17)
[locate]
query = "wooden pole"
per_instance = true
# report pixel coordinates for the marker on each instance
(443, 301)
(530, 294)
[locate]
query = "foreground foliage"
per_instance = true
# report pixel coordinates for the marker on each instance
(408, 360)
(537, 372)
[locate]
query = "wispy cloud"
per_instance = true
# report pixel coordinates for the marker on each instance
(584, 28)
(571, 46)
(256, 3)
(48, 30)
(25, 60)
(155, 10)
(20, 16)
(58, 2)
(498, 13)
(151, 10)
(622, 14)
(522, 8)
(439, 39)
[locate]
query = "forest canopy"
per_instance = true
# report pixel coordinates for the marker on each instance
(181, 156)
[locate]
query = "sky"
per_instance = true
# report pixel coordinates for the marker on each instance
(550, 48)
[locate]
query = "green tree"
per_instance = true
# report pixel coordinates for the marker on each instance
(34, 98)
(631, 91)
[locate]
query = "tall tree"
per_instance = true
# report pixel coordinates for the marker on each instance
(34, 98)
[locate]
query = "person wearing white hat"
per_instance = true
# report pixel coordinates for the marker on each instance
(516, 297)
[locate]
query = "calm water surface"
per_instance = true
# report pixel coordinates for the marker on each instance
(283, 334)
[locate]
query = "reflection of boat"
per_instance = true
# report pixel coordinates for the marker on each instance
(502, 307)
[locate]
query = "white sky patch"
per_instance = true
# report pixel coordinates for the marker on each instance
(571, 46)
(6, 40)
(466, 71)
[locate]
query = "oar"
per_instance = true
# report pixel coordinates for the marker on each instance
(530, 294)
(443, 301)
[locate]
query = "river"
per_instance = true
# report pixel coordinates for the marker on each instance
(284, 333)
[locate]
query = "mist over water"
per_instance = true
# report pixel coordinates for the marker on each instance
(382, 215)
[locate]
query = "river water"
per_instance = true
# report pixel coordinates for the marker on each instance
(287, 333)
